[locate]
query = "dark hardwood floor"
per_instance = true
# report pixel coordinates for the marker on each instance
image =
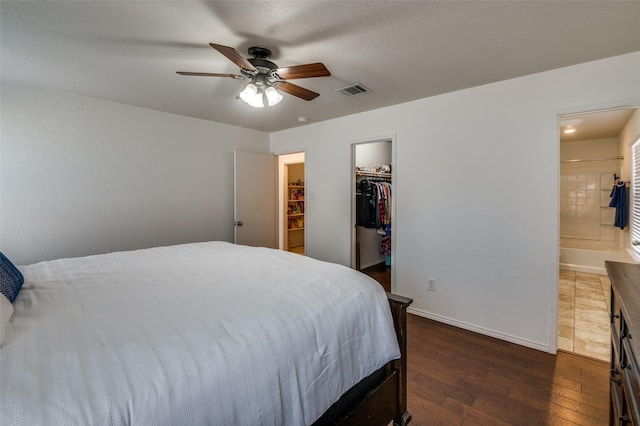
(380, 273)
(457, 377)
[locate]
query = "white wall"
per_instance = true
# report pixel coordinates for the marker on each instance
(80, 176)
(585, 149)
(630, 133)
(477, 181)
(373, 154)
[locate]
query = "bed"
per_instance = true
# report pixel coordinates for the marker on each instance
(203, 333)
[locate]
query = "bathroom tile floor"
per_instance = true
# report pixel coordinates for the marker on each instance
(583, 314)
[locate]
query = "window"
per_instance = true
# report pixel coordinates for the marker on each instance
(635, 198)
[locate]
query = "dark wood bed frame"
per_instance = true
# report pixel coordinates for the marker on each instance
(382, 397)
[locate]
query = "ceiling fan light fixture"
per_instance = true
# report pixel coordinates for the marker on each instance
(273, 96)
(257, 96)
(252, 95)
(265, 76)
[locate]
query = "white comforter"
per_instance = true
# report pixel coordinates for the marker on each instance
(205, 333)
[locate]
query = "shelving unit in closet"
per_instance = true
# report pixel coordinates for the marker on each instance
(295, 208)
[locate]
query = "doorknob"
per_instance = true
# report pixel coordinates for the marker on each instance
(239, 223)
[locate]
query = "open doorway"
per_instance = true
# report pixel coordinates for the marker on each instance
(594, 152)
(291, 195)
(373, 207)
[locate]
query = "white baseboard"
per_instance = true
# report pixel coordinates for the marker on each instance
(482, 330)
(582, 268)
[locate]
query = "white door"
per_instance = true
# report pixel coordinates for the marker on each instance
(255, 199)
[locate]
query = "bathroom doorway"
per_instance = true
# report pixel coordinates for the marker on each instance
(594, 153)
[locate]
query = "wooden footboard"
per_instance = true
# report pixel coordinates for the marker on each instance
(382, 397)
(399, 305)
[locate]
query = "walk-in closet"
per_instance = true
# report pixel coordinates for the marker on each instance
(373, 209)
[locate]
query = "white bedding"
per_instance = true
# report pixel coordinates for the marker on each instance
(205, 333)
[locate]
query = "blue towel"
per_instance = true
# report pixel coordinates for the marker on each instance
(619, 201)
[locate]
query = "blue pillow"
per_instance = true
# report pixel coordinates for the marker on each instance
(11, 279)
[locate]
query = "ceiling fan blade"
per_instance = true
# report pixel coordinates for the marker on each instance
(303, 71)
(208, 74)
(235, 57)
(298, 91)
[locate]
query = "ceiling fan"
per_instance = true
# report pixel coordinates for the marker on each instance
(266, 79)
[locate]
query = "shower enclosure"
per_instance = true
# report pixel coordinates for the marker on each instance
(587, 231)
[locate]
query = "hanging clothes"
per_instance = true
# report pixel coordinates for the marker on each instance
(383, 221)
(385, 242)
(373, 210)
(366, 204)
(619, 201)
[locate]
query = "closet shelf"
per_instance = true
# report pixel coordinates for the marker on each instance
(294, 201)
(373, 174)
(295, 229)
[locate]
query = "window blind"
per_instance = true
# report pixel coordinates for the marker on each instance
(635, 197)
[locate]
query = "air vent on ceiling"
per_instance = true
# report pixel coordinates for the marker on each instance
(354, 89)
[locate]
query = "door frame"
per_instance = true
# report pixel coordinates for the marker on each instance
(554, 205)
(394, 197)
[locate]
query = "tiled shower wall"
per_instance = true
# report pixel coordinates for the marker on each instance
(584, 206)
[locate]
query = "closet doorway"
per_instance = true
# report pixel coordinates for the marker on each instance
(372, 202)
(292, 202)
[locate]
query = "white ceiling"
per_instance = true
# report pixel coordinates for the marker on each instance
(595, 125)
(129, 51)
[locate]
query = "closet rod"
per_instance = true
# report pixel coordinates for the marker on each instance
(592, 159)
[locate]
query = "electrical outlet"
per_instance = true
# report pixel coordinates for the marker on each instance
(431, 284)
